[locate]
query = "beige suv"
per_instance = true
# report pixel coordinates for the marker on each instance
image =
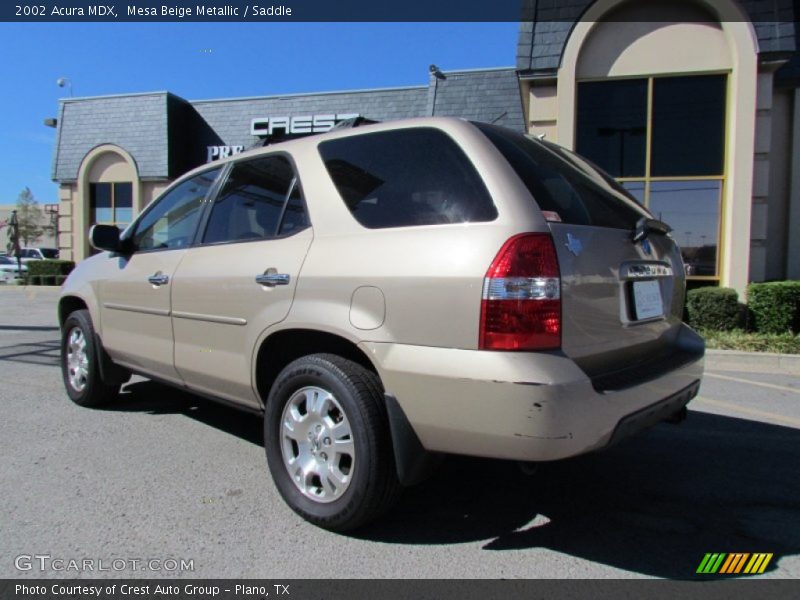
(388, 293)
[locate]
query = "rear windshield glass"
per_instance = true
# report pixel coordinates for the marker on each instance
(566, 187)
(406, 177)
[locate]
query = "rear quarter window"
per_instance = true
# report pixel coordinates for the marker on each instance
(406, 177)
(575, 191)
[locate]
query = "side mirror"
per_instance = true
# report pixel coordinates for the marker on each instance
(105, 237)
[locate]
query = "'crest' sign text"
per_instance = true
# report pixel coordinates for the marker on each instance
(265, 126)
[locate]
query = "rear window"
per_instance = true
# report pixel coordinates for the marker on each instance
(406, 177)
(567, 188)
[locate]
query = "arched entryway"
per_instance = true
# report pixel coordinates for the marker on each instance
(108, 192)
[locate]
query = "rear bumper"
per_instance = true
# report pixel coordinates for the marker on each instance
(524, 406)
(655, 413)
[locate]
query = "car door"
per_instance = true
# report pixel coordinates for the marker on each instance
(135, 298)
(240, 278)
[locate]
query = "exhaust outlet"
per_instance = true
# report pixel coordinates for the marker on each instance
(677, 417)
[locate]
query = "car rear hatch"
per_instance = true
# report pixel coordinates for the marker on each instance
(622, 277)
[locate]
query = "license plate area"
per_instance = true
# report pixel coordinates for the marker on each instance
(646, 300)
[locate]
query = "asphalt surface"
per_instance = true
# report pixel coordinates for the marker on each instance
(165, 475)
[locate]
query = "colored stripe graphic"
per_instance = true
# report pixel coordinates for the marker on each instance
(734, 563)
(711, 563)
(741, 562)
(758, 564)
(703, 563)
(728, 562)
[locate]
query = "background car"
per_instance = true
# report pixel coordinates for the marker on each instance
(9, 269)
(27, 254)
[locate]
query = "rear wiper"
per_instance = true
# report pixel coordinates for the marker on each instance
(645, 226)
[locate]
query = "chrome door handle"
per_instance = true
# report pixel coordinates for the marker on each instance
(273, 279)
(158, 279)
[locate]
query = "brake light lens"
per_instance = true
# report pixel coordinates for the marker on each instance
(521, 305)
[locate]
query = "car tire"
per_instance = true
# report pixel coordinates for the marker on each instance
(335, 481)
(79, 362)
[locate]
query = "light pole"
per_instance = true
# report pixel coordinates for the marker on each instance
(52, 210)
(64, 82)
(13, 237)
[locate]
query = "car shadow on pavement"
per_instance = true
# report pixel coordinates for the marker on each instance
(159, 399)
(45, 353)
(653, 505)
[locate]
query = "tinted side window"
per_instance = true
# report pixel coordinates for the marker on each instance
(294, 217)
(559, 186)
(172, 221)
(251, 203)
(406, 177)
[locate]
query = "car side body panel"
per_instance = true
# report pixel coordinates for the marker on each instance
(136, 314)
(219, 310)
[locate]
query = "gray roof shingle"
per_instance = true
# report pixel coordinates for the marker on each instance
(137, 123)
(166, 135)
(491, 96)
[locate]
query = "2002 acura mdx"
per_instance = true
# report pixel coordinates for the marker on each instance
(391, 291)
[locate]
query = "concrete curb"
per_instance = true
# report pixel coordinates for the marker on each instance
(31, 288)
(733, 360)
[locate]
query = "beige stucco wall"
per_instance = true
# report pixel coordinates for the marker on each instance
(793, 210)
(150, 190)
(542, 99)
(777, 201)
(66, 224)
(619, 49)
(761, 177)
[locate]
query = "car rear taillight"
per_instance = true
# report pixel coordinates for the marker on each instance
(521, 306)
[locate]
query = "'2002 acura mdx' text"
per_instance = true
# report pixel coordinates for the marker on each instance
(387, 293)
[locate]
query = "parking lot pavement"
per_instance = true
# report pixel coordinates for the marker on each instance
(163, 474)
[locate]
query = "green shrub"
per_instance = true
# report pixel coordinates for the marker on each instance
(48, 272)
(782, 343)
(774, 307)
(713, 308)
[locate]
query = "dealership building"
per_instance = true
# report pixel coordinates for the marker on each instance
(692, 105)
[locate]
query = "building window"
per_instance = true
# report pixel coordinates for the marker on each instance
(111, 203)
(663, 138)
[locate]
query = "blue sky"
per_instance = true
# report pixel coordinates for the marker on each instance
(210, 60)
